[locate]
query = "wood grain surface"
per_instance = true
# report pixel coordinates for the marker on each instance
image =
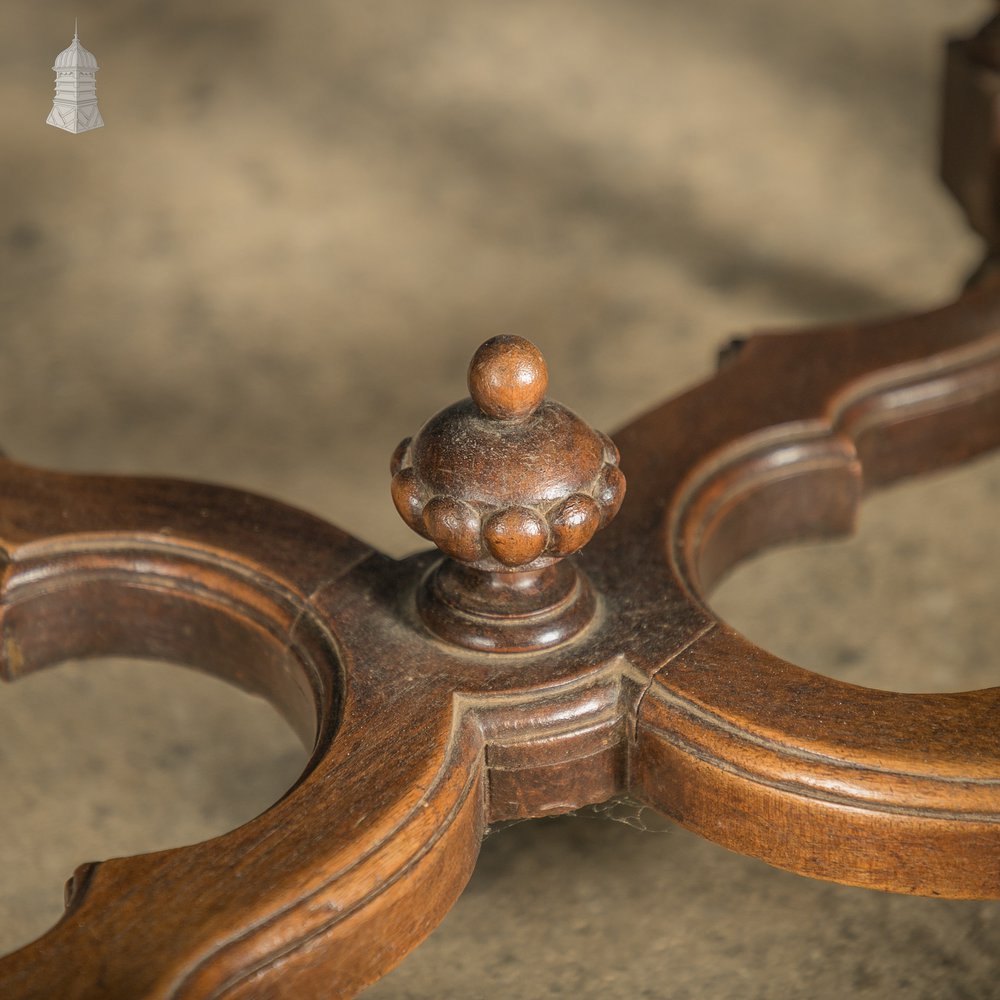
(419, 745)
(418, 748)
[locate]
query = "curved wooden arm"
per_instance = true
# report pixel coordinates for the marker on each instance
(388, 809)
(893, 791)
(318, 896)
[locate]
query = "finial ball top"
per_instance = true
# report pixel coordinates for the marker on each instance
(508, 378)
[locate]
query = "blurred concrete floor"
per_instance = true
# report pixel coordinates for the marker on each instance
(275, 261)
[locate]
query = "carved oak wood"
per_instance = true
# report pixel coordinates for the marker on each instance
(519, 677)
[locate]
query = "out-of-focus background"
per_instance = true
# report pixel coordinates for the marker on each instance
(276, 260)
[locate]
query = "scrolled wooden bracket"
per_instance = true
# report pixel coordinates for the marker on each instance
(419, 744)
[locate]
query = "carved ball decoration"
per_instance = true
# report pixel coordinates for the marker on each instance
(508, 378)
(573, 522)
(516, 536)
(455, 528)
(507, 480)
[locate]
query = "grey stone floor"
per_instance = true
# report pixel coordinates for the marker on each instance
(275, 261)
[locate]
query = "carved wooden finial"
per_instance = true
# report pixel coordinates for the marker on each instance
(507, 482)
(508, 378)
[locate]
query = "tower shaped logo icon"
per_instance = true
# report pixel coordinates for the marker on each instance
(75, 106)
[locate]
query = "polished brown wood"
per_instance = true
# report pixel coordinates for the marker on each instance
(422, 740)
(507, 485)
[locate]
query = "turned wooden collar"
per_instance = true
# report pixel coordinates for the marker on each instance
(524, 673)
